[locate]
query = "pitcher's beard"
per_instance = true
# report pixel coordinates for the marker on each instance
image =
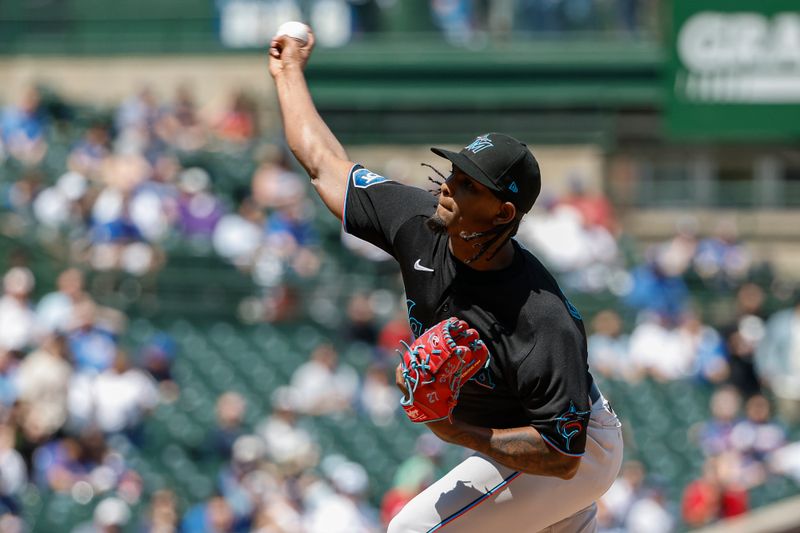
(436, 224)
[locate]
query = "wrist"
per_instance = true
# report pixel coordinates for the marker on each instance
(290, 70)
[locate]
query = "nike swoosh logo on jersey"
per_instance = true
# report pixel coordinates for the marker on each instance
(417, 266)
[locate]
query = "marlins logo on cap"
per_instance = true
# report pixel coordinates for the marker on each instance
(481, 143)
(501, 163)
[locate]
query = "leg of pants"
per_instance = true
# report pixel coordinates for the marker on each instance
(482, 495)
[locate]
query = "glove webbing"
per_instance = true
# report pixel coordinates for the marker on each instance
(415, 366)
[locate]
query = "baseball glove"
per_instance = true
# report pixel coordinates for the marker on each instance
(435, 367)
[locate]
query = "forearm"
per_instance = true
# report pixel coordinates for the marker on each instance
(521, 448)
(309, 138)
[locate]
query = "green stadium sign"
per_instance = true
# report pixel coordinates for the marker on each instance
(734, 72)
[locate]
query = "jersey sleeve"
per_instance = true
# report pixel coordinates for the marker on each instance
(375, 208)
(552, 383)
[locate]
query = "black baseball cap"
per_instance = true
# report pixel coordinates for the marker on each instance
(503, 164)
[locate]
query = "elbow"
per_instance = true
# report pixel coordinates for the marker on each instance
(568, 467)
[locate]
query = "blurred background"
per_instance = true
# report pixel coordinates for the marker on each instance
(189, 343)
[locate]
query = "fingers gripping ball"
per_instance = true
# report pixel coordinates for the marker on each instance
(295, 30)
(435, 367)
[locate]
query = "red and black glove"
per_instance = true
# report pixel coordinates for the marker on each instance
(435, 367)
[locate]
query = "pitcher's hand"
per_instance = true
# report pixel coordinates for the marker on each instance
(286, 53)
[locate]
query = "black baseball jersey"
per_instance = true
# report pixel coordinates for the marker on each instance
(538, 374)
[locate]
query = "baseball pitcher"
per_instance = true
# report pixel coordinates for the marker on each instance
(499, 363)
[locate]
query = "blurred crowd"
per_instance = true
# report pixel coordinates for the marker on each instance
(114, 194)
(119, 192)
(462, 22)
(73, 401)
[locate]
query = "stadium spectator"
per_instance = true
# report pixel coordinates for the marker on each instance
(742, 335)
(18, 196)
(92, 343)
(274, 184)
(157, 357)
(594, 207)
(13, 473)
(558, 235)
(179, 124)
(456, 20)
(241, 480)
(237, 236)
(777, 360)
(378, 397)
(290, 236)
(657, 290)
(110, 516)
(626, 489)
(152, 206)
(715, 495)
(8, 380)
(89, 154)
(229, 426)
(290, 446)
(675, 255)
(344, 510)
(278, 514)
(648, 514)
(583, 250)
(393, 334)
(162, 514)
(17, 319)
(324, 385)
(609, 346)
(62, 205)
(199, 210)
(135, 121)
(702, 499)
(117, 242)
(43, 382)
(361, 325)
(723, 260)
(62, 463)
(714, 435)
(22, 128)
(214, 515)
(705, 343)
(239, 123)
(658, 349)
(116, 400)
(755, 438)
(55, 310)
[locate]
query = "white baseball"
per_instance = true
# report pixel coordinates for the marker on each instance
(295, 30)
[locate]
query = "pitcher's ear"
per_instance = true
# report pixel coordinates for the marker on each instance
(505, 214)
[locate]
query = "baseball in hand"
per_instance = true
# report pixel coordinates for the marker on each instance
(295, 30)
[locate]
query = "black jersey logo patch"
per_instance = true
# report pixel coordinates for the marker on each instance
(571, 423)
(484, 378)
(416, 325)
(363, 178)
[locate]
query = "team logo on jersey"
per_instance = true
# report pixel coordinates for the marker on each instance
(484, 378)
(481, 143)
(571, 308)
(573, 311)
(416, 325)
(363, 178)
(571, 423)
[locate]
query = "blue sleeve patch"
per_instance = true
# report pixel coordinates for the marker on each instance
(363, 178)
